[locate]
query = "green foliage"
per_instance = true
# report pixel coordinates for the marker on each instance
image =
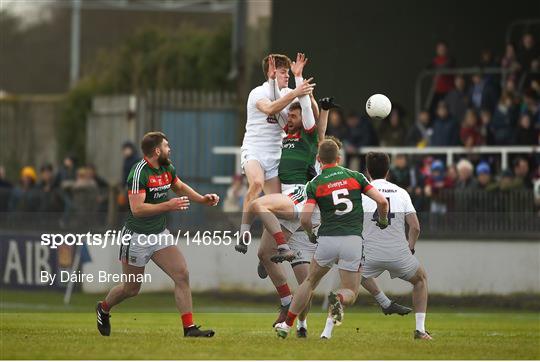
(71, 130)
(152, 59)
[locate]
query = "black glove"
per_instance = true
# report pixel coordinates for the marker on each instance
(412, 251)
(328, 103)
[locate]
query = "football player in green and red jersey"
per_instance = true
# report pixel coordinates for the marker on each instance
(148, 183)
(338, 193)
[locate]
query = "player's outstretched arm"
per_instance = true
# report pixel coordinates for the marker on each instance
(308, 116)
(272, 107)
(414, 229)
(314, 107)
(183, 189)
(141, 209)
(382, 206)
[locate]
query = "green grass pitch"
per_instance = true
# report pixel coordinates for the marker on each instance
(38, 330)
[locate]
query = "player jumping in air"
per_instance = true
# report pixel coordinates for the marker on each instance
(338, 193)
(148, 184)
(267, 107)
(296, 167)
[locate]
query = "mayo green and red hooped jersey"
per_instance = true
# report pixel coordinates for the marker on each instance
(155, 184)
(338, 192)
(298, 153)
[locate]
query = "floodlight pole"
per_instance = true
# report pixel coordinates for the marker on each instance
(75, 42)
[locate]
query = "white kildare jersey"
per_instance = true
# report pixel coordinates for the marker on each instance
(388, 244)
(265, 133)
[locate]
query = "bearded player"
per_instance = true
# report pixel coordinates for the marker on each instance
(295, 170)
(338, 193)
(267, 107)
(148, 183)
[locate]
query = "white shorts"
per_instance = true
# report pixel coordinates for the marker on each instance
(300, 243)
(141, 247)
(404, 268)
(347, 251)
(269, 162)
(297, 193)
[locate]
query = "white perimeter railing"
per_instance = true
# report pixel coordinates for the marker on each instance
(450, 152)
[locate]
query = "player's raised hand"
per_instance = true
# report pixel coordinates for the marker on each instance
(305, 88)
(179, 203)
(211, 199)
(271, 68)
(297, 67)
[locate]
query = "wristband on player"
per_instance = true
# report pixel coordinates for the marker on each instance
(412, 251)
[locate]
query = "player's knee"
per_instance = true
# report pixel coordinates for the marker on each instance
(181, 277)
(255, 205)
(131, 290)
(256, 186)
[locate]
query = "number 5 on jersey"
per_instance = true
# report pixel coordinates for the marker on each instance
(342, 200)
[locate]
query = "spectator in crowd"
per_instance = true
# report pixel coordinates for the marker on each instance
(470, 133)
(50, 199)
(458, 98)
(451, 176)
(528, 51)
(442, 83)
(506, 182)
(392, 130)
(481, 94)
(419, 134)
(336, 124)
(521, 173)
(85, 194)
(487, 60)
(235, 195)
(445, 128)
(360, 133)
(5, 190)
(509, 61)
(485, 127)
(130, 158)
(466, 180)
(531, 105)
(483, 177)
(502, 122)
(66, 174)
(400, 174)
(24, 197)
(525, 134)
(103, 187)
(434, 184)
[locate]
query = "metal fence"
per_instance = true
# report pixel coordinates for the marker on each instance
(456, 214)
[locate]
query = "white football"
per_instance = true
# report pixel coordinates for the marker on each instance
(378, 106)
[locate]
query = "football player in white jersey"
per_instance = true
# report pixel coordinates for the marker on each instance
(392, 249)
(266, 118)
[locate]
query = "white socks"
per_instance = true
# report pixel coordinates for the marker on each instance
(327, 333)
(286, 300)
(420, 321)
(301, 324)
(383, 300)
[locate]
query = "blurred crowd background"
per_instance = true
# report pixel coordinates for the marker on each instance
(479, 94)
